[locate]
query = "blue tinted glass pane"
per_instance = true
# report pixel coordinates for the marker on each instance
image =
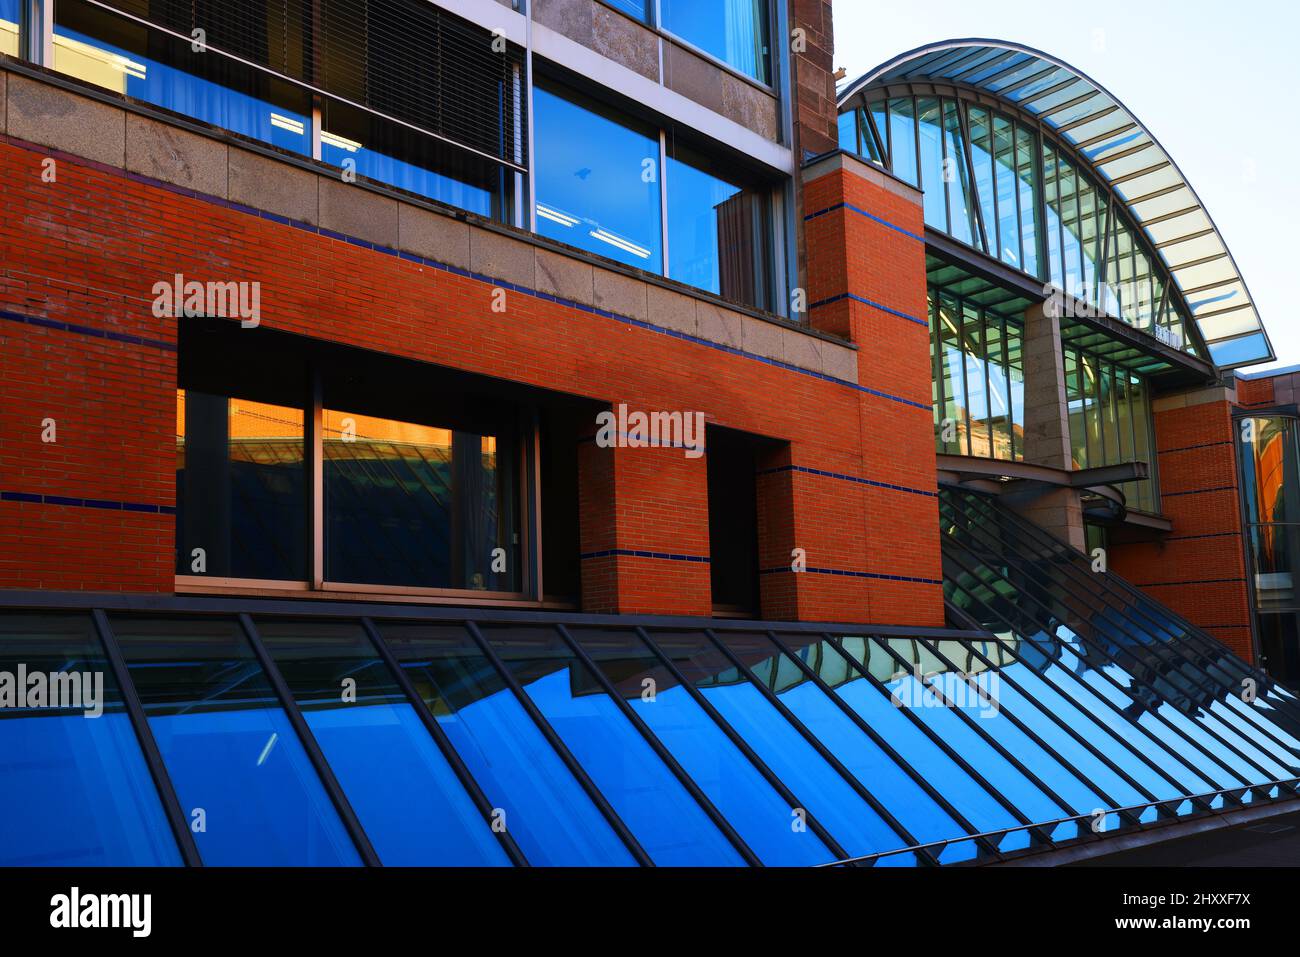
(547, 812)
(848, 131)
(1252, 348)
(734, 31)
(901, 732)
(902, 139)
(239, 770)
(971, 745)
(932, 168)
(716, 232)
(659, 811)
(723, 772)
(827, 795)
(75, 788)
(633, 8)
(163, 70)
(597, 181)
(408, 799)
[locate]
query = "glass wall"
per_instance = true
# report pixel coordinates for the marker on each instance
(600, 188)
(979, 380)
(1110, 422)
(994, 182)
(9, 22)
(1269, 453)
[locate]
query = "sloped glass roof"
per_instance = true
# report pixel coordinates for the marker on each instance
(300, 733)
(1125, 154)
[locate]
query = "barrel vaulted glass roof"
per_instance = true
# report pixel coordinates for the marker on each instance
(1105, 138)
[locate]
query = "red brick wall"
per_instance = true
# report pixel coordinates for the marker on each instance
(653, 501)
(867, 281)
(86, 251)
(1199, 569)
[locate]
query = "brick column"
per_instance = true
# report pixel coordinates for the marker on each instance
(1047, 425)
(866, 253)
(643, 521)
(1199, 569)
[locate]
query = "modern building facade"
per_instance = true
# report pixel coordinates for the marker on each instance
(466, 432)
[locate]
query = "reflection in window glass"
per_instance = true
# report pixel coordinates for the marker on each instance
(77, 791)
(548, 813)
(1110, 422)
(417, 505)
(717, 232)
(735, 786)
(961, 209)
(932, 166)
(647, 796)
(233, 756)
(597, 180)
(633, 8)
(902, 138)
(734, 31)
(127, 57)
(240, 488)
(410, 803)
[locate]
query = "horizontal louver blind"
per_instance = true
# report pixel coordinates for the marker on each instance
(405, 59)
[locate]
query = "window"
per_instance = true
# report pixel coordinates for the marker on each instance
(734, 31)
(408, 95)
(600, 187)
(597, 180)
(733, 523)
(419, 468)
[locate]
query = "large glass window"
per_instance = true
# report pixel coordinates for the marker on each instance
(243, 778)
(600, 188)
(419, 472)
(598, 179)
(735, 31)
(76, 789)
(254, 80)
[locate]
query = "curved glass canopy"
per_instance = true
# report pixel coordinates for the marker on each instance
(1087, 134)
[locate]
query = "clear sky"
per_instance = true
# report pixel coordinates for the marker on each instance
(1218, 84)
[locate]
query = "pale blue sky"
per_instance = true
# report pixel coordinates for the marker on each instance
(1218, 84)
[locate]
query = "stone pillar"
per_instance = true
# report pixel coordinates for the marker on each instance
(1047, 425)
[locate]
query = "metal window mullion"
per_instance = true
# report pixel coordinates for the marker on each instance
(1101, 647)
(462, 772)
(779, 786)
(933, 647)
(148, 745)
(662, 752)
(1015, 184)
(1109, 678)
(317, 757)
(985, 736)
(557, 744)
(849, 778)
(888, 749)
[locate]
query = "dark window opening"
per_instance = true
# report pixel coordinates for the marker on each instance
(733, 522)
(561, 569)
